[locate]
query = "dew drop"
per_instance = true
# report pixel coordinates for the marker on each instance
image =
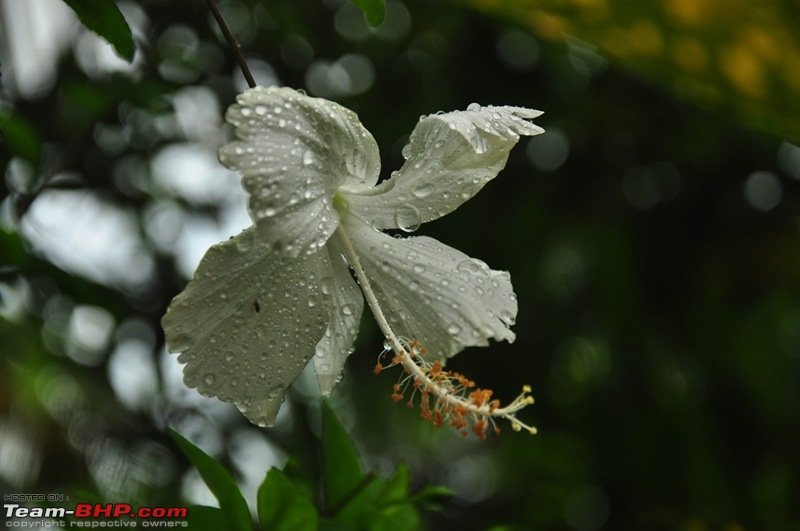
(419, 269)
(407, 218)
(473, 107)
(326, 285)
(406, 152)
(312, 301)
(473, 266)
(308, 158)
(453, 329)
(244, 241)
(347, 309)
(209, 378)
(268, 212)
(275, 392)
(423, 190)
(261, 110)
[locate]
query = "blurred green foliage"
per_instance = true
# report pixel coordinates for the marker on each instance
(104, 18)
(652, 241)
(286, 500)
(739, 58)
(374, 10)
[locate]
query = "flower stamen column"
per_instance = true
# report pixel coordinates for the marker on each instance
(431, 379)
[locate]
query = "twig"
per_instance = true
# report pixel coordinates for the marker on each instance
(232, 42)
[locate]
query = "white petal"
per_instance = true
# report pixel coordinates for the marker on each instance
(346, 306)
(449, 159)
(433, 293)
(294, 151)
(245, 325)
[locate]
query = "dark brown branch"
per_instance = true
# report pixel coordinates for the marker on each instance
(232, 42)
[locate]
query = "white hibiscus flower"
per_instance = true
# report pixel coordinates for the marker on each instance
(264, 303)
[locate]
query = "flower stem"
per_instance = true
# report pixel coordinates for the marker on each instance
(232, 42)
(430, 379)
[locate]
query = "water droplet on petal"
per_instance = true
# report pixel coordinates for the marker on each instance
(268, 212)
(209, 379)
(473, 266)
(419, 269)
(308, 158)
(326, 285)
(508, 317)
(347, 309)
(407, 218)
(406, 152)
(312, 301)
(261, 110)
(453, 329)
(473, 107)
(275, 392)
(423, 190)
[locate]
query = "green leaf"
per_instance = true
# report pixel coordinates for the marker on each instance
(362, 502)
(397, 487)
(341, 466)
(432, 495)
(104, 18)
(300, 477)
(394, 518)
(202, 518)
(20, 137)
(374, 10)
(392, 509)
(219, 481)
(282, 506)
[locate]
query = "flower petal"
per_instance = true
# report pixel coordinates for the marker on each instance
(433, 293)
(346, 306)
(449, 159)
(247, 324)
(294, 151)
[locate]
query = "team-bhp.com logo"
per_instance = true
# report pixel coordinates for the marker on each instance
(94, 515)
